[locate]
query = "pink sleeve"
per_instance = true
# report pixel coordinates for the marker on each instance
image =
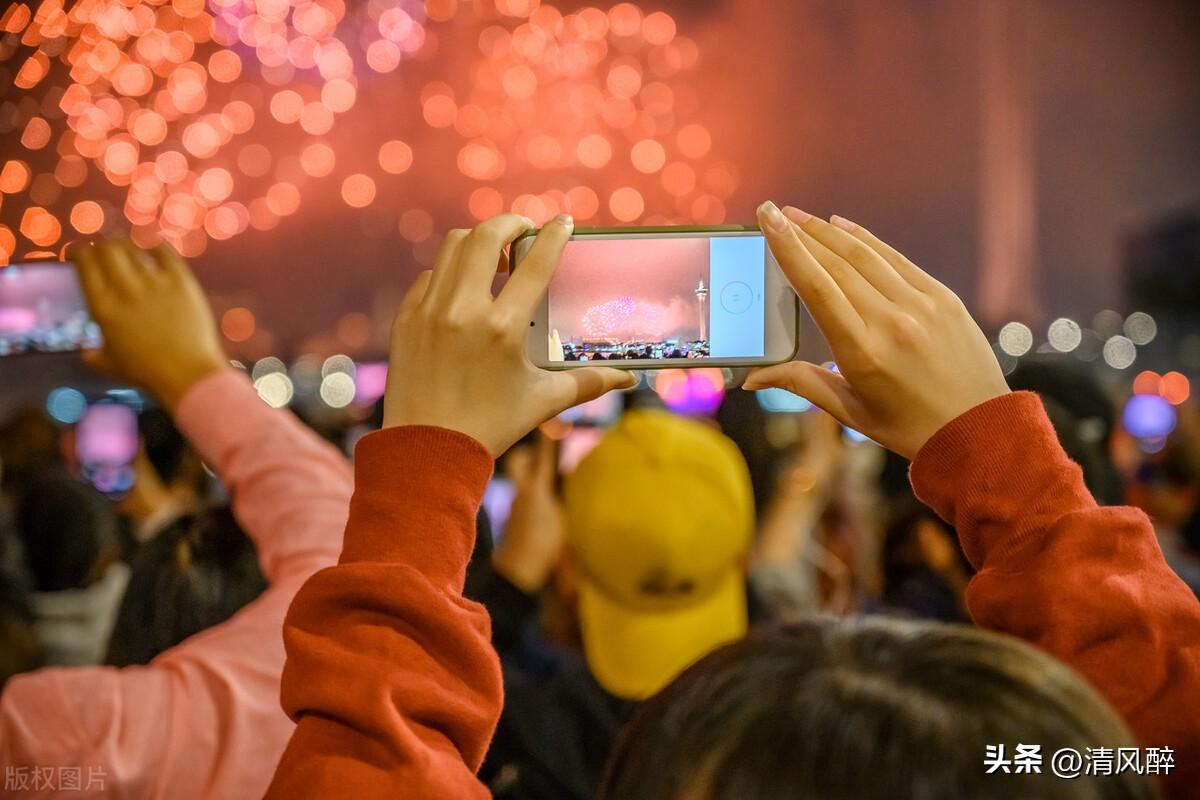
(1086, 584)
(202, 719)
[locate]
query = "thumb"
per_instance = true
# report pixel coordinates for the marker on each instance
(824, 388)
(575, 386)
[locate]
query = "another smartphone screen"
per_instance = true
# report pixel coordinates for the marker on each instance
(683, 297)
(106, 441)
(42, 311)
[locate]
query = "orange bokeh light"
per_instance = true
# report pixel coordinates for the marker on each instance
(658, 28)
(1175, 388)
(14, 177)
(254, 160)
(8, 244)
(40, 226)
(395, 157)
(286, 106)
(71, 171)
(316, 118)
(1146, 382)
(36, 134)
(485, 202)
(225, 66)
(238, 324)
(283, 199)
(338, 95)
(582, 202)
(214, 185)
(358, 190)
(87, 216)
(416, 225)
(593, 151)
(318, 159)
(201, 139)
(694, 140)
(678, 178)
(648, 156)
(440, 111)
(147, 126)
(626, 204)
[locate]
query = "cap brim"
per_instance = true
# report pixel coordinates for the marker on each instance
(633, 653)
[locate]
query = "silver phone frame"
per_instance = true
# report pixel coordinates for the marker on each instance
(782, 328)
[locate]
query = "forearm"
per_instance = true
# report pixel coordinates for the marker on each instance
(391, 676)
(1087, 584)
(290, 489)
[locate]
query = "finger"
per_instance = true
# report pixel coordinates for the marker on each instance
(416, 292)
(171, 264)
(868, 263)
(123, 274)
(910, 272)
(91, 278)
(574, 386)
(865, 298)
(518, 464)
(479, 256)
(824, 388)
(545, 461)
(444, 263)
(823, 298)
(529, 281)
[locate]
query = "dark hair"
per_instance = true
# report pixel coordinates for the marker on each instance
(66, 528)
(864, 709)
(20, 650)
(195, 574)
(165, 445)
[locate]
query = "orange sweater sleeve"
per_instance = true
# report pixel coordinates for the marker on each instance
(390, 674)
(1087, 584)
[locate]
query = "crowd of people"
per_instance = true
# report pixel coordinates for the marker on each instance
(692, 612)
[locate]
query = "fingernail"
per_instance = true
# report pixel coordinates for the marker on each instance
(842, 223)
(796, 215)
(566, 220)
(529, 223)
(769, 213)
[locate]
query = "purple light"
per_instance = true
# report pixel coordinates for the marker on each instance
(1148, 415)
(691, 391)
(370, 381)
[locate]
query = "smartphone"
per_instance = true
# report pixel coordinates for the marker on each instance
(42, 310)
(106, 442)
(658, 297)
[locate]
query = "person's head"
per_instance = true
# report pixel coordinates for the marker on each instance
(195, 574)
(864, 709)
(29, 442)
(67, 529)
(659, 516)
(919, 557)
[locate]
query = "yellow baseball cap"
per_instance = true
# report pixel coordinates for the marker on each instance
(659, 517)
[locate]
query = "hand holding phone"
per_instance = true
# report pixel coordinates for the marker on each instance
(158, 330)
(458, 353)
(910, 357)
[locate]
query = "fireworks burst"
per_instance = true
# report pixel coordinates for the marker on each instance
(191, 121)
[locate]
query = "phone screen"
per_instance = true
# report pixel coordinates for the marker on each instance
(42, 311)
(106, 442)
(676, 298)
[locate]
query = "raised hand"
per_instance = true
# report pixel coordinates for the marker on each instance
(458, 353)
(159, 331)
(910, 357)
